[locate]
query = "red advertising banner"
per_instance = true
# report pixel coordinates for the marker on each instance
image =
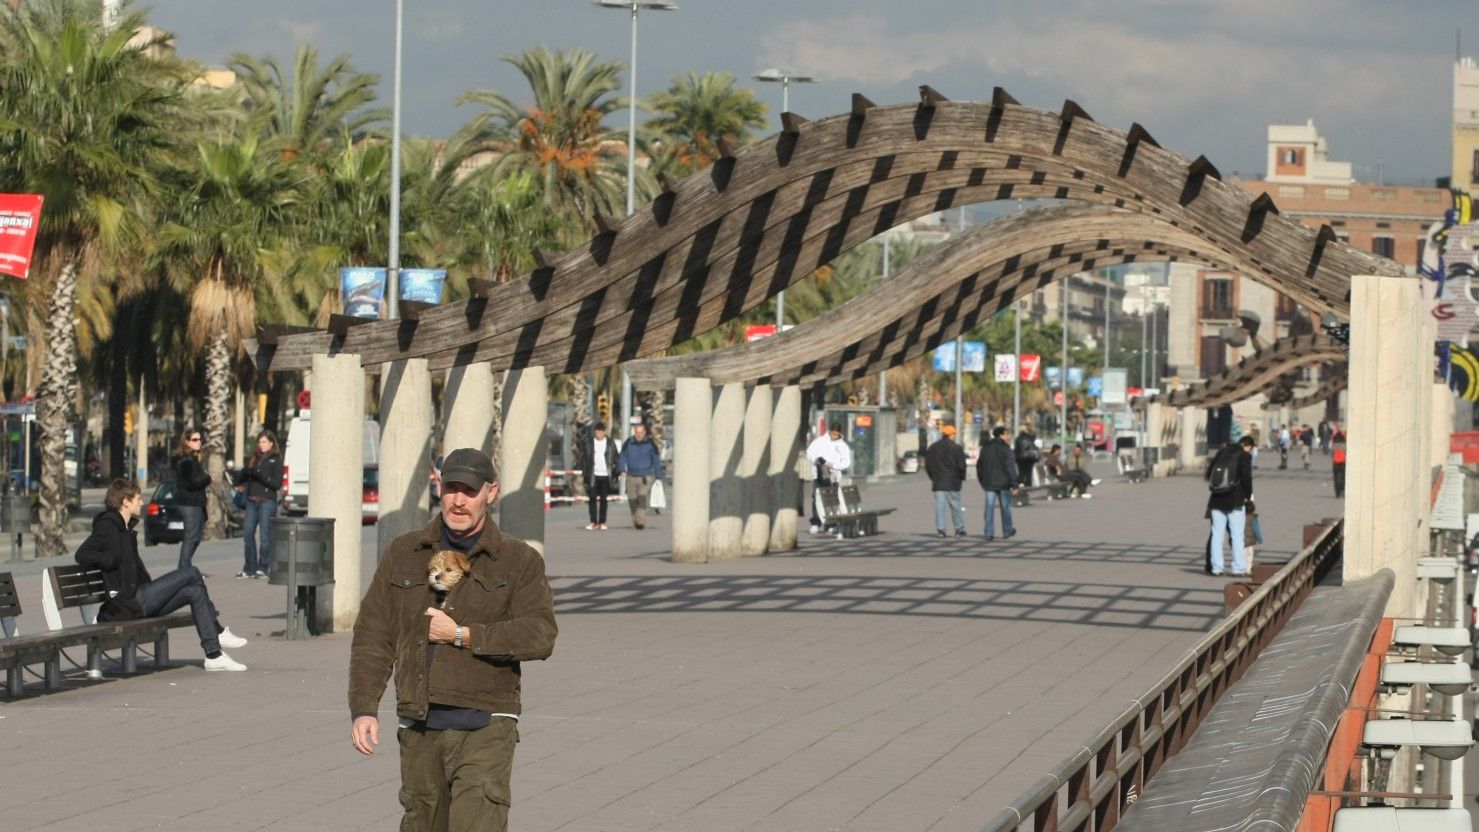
(754, 332)
(20, 217)
(1031, 367)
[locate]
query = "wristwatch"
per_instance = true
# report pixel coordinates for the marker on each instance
(457, 638)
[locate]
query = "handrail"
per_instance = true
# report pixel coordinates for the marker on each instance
(1108, 773)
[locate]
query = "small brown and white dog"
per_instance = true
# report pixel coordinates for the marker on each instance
(445, 570)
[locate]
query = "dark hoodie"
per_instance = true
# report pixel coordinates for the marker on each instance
(113, 548)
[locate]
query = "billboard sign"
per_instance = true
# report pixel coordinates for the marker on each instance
(1115, 382)
(423, 285)
(1006, 367)
(1031, 367)
(20, 218)
(362, 291)
(754, 332)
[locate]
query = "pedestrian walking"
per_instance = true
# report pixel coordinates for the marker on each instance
(1337, 461)
(113, 549)
(598, 471)
(1306, 444)
(641, 462)
(944, 461)
(191, 481)
(996, 470)
(1026, 451)
(456, 668)
(260, 483)
(1324, 432)
(828, 456)
(1230, 480)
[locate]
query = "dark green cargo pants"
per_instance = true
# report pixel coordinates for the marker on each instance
(457, 781)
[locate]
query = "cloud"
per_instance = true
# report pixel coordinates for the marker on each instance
(301, 31)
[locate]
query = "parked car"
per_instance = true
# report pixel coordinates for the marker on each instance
(163, 522)
(369, 503)
(909, 462)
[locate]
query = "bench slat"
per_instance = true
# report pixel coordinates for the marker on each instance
(78, 586)
(10, 600)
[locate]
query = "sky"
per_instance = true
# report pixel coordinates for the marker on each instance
(1203, 76)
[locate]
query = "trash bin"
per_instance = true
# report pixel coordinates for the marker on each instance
(302, 561)
(15, 520)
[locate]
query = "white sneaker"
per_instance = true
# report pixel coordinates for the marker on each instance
(1095, 481)
(1086, 496)
(815, 529)
(230, 639)
(224, 662)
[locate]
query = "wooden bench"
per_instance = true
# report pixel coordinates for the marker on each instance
(843, 507)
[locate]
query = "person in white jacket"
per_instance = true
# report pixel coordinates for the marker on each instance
(828, 456)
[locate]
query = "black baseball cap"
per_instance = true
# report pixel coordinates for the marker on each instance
(468, 466)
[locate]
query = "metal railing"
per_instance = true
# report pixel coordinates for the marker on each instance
(1093, 788)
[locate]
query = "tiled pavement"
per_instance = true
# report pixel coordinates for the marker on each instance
(896, 683)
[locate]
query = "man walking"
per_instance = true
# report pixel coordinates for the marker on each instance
(456, 669)
(642, 463)
(1337, 461)
(828, 455)
(996, 470)
(944, 461)
(1026, 452)
(1230, 481)
(600, 467)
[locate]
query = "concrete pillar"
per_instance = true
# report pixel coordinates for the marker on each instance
(726, 489)
(755, 472)
(693, 401)
(1153, 427)
(525, 454)
(405, 449)
(469, 409)
(1443, 403)
(1386, 469)
(1193, 425)
(336, 462)
(785, 483)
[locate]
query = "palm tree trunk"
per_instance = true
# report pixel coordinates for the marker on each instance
(580, 427)
(499, 376)
(651, 403)
(54, 399)
(922, 410)
(217, 412)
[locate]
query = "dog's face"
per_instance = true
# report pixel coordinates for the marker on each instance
(446, 569)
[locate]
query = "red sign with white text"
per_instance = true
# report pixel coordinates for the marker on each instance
(20, 217)
(1031, 367)
(754, 332)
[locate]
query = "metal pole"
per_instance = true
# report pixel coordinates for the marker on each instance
(780, 297)
(1155, 346)
(1017, 375)
(959, 355)
(883, 374)
(1144, 322)
(1106, 322)
(392, 272)
(626, 380)
(1063, 367)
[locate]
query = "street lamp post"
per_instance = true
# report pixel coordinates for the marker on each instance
(634, 6)
(1017, 373)
(393, 264)
(785, 78)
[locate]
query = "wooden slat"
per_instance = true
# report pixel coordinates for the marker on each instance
(78, 585)
(10, 601)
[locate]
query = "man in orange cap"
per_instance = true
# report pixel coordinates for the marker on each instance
(944, 461)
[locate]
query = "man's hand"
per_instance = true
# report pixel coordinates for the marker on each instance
(364, 734)
(443, 628)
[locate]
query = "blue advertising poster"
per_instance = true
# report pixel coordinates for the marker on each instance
(1075, 376)
(973, 357)
(423, 285)
(362, 290)
(1096, 386)
(945, 358)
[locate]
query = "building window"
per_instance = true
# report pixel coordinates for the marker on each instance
(1384, 247)
(1213, 359)
(1218, 303)
(1289, 156)
(1474, 169)
(1422, 247)
(1285, 308)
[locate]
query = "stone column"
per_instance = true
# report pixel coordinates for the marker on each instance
(755, 472)
(405, 449)
(785, 483)
(1153, 425)
(336, 462)
(469, 409)
(689, 506)
(1386, 468)
(726, 489)
(1193, 422)
(525, 454)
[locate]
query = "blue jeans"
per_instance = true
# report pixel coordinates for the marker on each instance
(1002, 497)
(171, 591)
(948, 510)
(258, 516)
(194, 517)
(1222, 520)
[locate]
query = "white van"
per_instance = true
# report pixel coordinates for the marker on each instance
(295, 460)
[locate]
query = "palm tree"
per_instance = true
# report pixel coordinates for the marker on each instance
(694, 112)
(85, 118)
(561, 140)
(317, 109)
(216, 241)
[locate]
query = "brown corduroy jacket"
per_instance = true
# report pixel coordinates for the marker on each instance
(504, 603)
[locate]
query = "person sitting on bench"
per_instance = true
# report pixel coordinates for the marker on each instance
(113, 549)
(1077, 479)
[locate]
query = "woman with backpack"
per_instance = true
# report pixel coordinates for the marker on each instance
(1230, 481)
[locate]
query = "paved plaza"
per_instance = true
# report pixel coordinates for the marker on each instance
(895, 683)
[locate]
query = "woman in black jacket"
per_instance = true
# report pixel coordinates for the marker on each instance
(191, 481)
(260, 480)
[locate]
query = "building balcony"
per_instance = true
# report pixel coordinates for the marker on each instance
(1219, 313)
